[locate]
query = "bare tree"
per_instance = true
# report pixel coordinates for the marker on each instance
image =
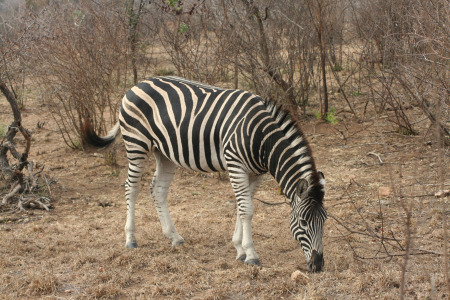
(83, 52)
(14, 157)
(14, 175)
(409, 42)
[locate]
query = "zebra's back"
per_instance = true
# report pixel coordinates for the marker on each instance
(189, 122)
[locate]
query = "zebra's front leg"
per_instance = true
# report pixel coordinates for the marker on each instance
(165, 170)
(244, 186)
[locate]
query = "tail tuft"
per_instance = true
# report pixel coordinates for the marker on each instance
(90, 137)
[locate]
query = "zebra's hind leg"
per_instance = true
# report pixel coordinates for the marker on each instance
(135, 168)
(165, 170)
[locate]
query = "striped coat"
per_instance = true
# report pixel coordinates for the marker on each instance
(209, 129)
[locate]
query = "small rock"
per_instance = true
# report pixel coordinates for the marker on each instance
(384, 191)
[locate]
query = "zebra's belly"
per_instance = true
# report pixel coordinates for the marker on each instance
(191, 152)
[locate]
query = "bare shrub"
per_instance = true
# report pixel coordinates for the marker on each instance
(83, 55)
(409, 42)
(192, 36)
(16, 140)
(270, 48)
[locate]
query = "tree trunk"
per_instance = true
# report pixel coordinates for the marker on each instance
(7, 142)
(268, 68)
(320, 35)
(133, 35)
(12, 101)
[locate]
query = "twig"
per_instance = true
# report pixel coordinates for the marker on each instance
(272, 204)
(263, 235)
(373, 235)
(20, 204)
(293, 22)
(33, 179)
(341, 87)
(382, 225)
(396, 255)
(48, 185)
(342, 133)
(374, 154)
(397, 241)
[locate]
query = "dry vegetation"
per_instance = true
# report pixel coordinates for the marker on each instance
(382, 147)
(77, 249)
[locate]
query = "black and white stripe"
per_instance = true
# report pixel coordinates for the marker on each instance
(210, 129)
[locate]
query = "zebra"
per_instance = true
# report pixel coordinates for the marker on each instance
(209, 129)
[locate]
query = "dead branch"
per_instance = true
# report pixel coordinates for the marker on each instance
(374, 154)
(14, 173)
(341, 87)
(352, 231)
(12, 102)
(11, 194)
(48, 185)
(423, 105)
(271, 204)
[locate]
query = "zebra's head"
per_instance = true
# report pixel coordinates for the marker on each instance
(308, 218)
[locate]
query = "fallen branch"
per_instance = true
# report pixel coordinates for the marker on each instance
(42, 204)
(11, 194)
(34, 203)
(271, 204)
(48, 184)
(374, 154)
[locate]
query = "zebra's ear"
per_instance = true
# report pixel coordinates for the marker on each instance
(321, 178)
(302, 188)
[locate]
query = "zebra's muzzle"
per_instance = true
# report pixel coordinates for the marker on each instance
(316, 262)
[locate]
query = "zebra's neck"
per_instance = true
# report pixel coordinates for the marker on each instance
(286, 153)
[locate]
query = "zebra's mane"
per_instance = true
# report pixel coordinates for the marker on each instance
(291, 128)
(288, 123)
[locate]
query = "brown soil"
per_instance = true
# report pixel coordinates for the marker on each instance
(77, 251)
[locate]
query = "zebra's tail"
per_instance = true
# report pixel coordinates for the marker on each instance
(90, 137)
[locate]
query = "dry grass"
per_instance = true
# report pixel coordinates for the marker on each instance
(76, 251)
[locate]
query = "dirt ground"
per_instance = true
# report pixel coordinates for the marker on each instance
(76, 250)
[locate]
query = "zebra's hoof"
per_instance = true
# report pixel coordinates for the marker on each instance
(253, 262)
(241, 258)
(177, 243)
(131, 245)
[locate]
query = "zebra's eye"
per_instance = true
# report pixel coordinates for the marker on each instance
(303, 223)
